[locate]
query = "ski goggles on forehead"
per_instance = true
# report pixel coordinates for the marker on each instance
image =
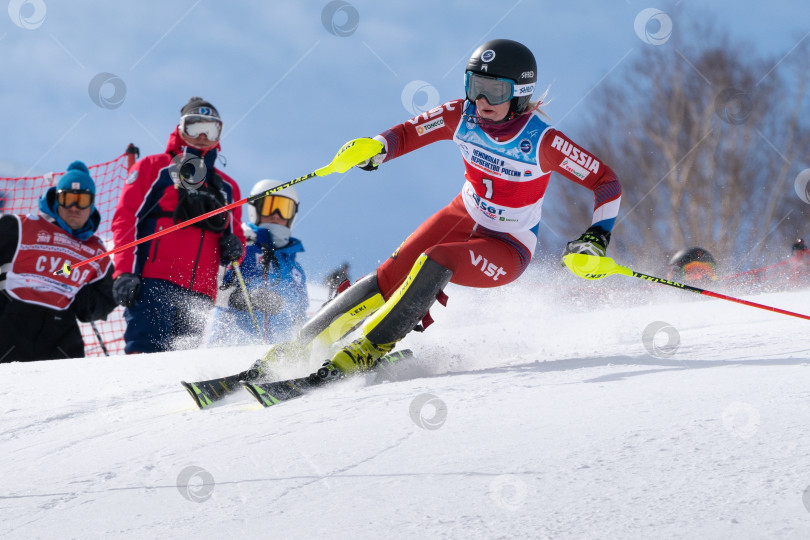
(285, 206)
(74, 197)
(196, 125)
(496, 90)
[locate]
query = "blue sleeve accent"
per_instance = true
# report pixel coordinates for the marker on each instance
(393, 144)
(607, 192)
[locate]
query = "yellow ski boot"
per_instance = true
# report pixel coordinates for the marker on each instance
(360, 355)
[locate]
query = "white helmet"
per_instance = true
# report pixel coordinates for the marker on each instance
(281, 234)
(264, 185)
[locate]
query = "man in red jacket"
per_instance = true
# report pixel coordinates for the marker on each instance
(169, 284)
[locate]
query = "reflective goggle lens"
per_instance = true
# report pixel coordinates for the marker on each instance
(68, 198)
(496, 90)
(699, 270)
(285, 207)
(194, 126)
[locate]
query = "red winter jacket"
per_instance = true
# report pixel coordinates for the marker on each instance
(188, 257)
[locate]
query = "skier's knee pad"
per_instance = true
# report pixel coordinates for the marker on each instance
(409, 303)
(343, 313)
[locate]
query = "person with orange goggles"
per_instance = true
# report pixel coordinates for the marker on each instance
(39, 312)
(285, 207)
(693, 265)
(275, 282)
(74, 195)
(68, 198)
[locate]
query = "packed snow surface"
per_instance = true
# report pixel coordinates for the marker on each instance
(534, 410)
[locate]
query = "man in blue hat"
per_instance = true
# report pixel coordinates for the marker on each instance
(38, 310)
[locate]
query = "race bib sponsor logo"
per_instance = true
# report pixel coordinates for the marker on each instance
(43, 237)
(576, 155)
(577, 170)
(132, 177)
(429, 126)
(65, 240)
(492, 163)
(526, 146)
(486, 207)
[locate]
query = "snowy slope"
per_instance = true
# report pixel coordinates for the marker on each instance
(543, 416)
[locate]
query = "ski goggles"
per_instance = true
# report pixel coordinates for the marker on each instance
(194, 125)
(496, 90)
(74, 197)
(285, 206)
(697, 270)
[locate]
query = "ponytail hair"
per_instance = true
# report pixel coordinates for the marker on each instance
(540, 102)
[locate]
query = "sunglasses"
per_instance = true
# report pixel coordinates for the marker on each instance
(74, 197)
(496, 90)
(285, 207)
(196, 125)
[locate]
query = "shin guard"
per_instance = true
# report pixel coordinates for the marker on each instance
(409, 303)
(343, 313)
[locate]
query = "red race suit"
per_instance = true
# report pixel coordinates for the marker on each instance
(488, 233)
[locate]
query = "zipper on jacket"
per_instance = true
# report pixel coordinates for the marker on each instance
(197, 261)
(154, 251)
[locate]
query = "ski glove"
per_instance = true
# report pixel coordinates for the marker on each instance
(230, 249)
(373, 162)
(126, 289)
(594, 241)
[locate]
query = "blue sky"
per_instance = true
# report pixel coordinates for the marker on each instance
(292, 88)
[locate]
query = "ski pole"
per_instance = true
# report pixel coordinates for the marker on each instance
(593, 267)
(350, 154)
(98, 337)
(242, 285)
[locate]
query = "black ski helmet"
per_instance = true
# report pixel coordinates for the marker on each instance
(685, 256)
(678, 265)
(510, 60)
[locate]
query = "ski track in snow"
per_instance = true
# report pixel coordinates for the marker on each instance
(559, 424)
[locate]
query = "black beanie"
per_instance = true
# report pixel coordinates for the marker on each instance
(197, 105)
